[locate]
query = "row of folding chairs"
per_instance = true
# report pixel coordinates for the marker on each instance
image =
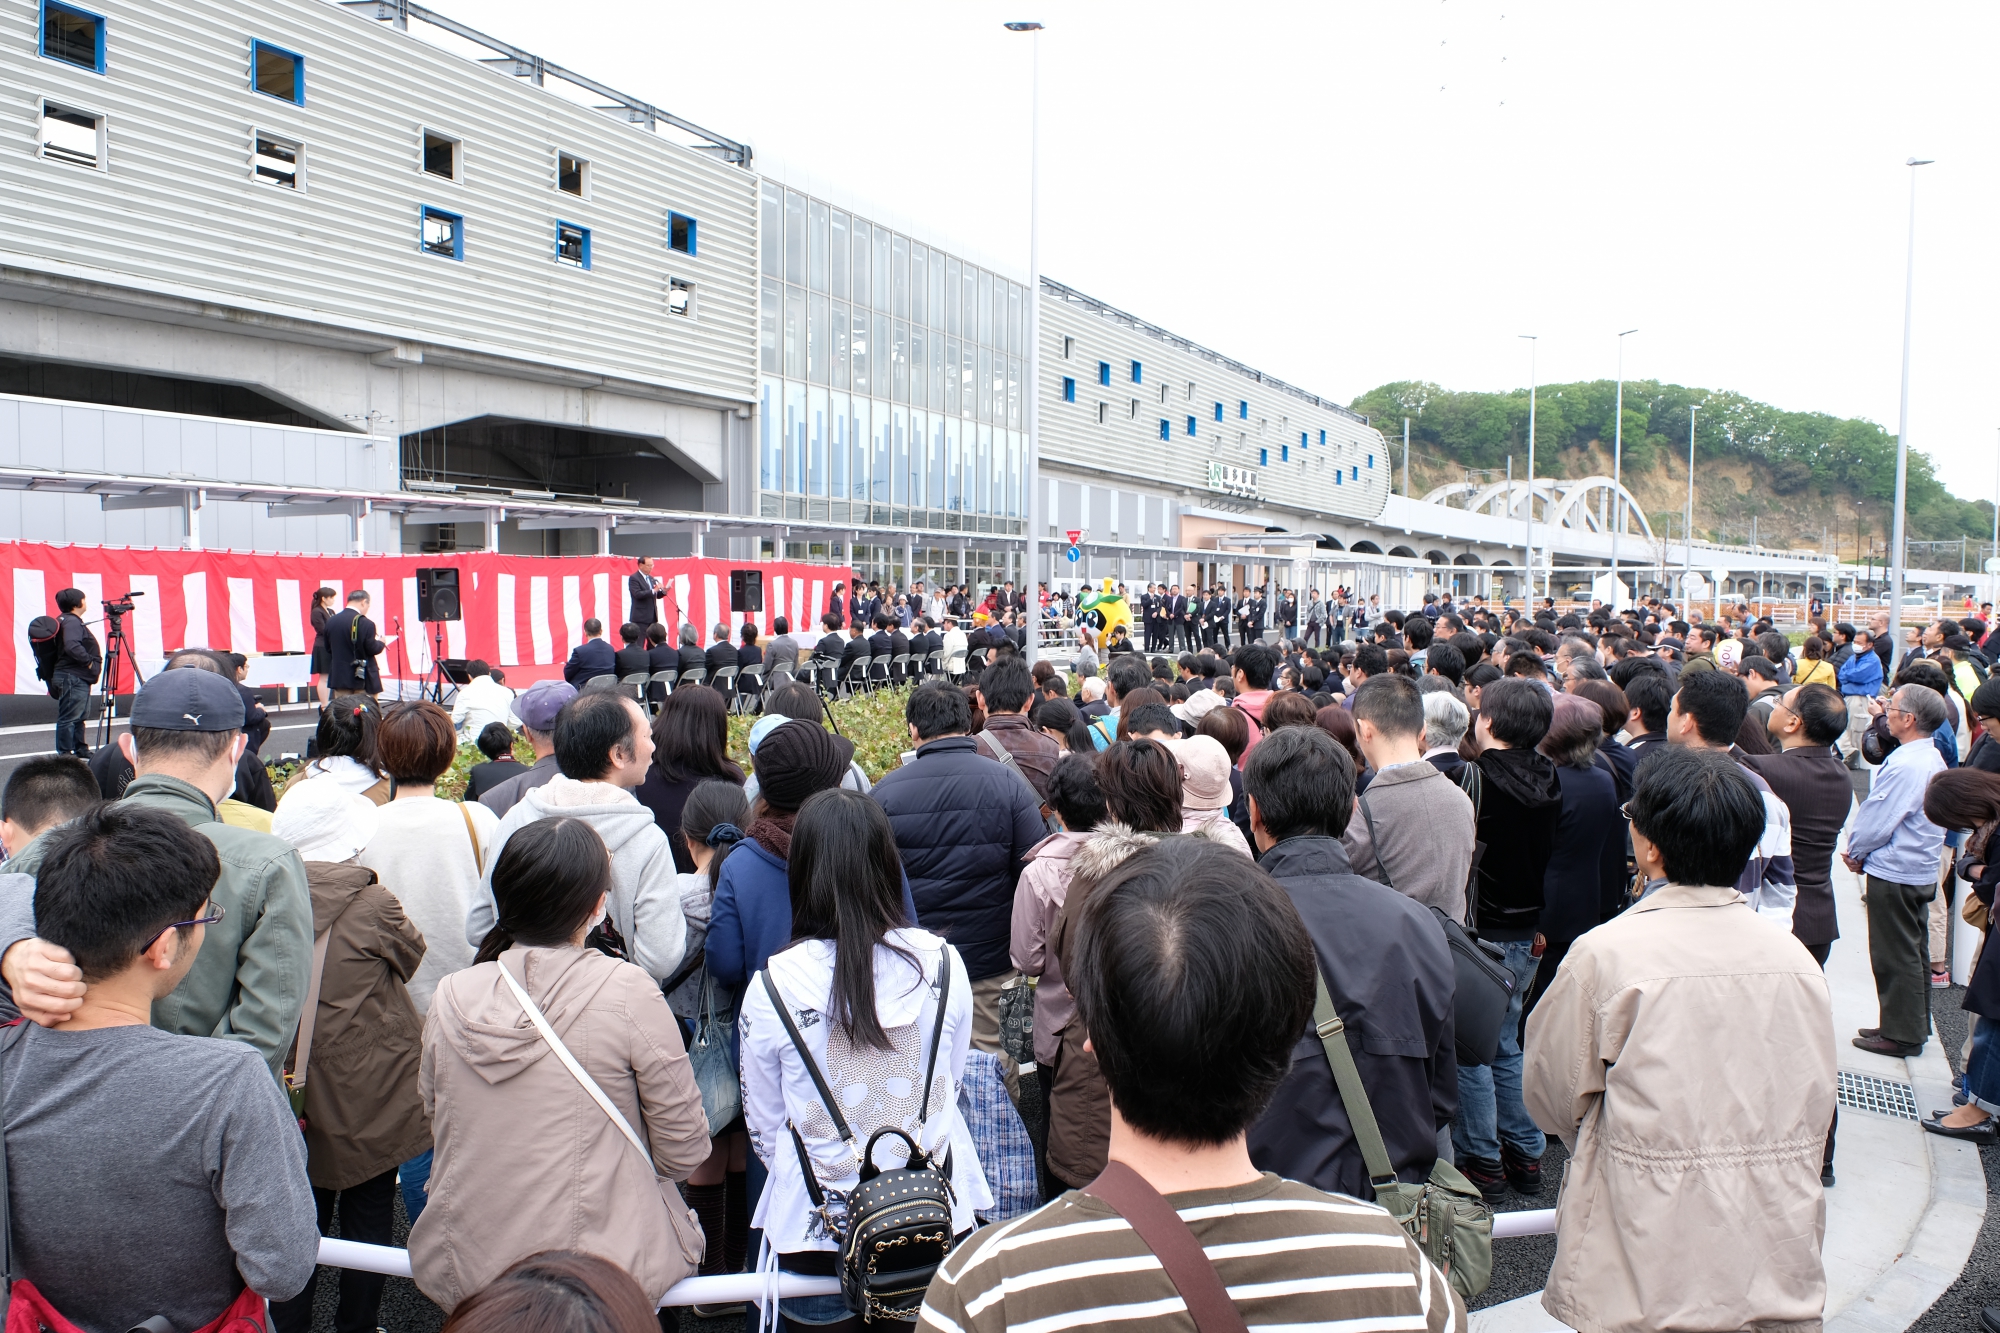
(744, 686)
(741, 686)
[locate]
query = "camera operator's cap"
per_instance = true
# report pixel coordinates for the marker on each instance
(537, 708)
(189, 700)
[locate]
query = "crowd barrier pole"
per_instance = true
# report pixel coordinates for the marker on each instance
(735, 1287)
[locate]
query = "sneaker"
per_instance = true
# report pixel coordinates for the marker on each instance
(1523, 1173)
(1940, 981)
(1487, 1175)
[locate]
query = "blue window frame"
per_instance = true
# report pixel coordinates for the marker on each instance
(1371, 460)
(1243, 409)
(572, 245)
(1322, 439)
(441, 233)
(681, 233)
(276, 72)
(1104, 372)
(1069, 389)
(1339, 478)
(1191, 425)
(1263, 457)
(73, 36)
(1138, 373)
(1218, 411)
(1357, 472)
(1166, 429)
(1302, 439)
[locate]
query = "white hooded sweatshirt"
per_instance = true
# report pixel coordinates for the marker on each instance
(645, 901)
(876, 1088)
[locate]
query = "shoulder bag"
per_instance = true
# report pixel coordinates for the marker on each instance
(295, 1077)
(1446, 1216)
(894, 1227)
(1485, 984)
(1160, 1227)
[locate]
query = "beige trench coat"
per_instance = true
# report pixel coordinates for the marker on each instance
(1685, 1056)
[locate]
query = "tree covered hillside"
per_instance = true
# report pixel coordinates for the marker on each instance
(1806, 477)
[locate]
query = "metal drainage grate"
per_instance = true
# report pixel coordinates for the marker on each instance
(1865, 1092)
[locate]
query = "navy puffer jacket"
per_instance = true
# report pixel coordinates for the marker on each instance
(963, 822)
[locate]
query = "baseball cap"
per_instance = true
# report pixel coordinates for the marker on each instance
(188, 700)
(1197, 706)
(538, 705)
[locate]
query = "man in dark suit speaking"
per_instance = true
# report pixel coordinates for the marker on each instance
(645, 590)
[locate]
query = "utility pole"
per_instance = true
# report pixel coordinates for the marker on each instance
(1031, 506)
(1897, 554)
(1618, 463)
(1534, 345)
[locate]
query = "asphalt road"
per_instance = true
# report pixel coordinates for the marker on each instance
(291, 726)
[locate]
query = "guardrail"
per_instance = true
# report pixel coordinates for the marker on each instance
(734, 1288)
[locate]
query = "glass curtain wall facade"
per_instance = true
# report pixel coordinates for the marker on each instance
(892, 377)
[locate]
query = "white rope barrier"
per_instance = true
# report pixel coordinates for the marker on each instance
(734, 1288)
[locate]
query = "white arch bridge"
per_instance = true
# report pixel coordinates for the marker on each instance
(1588, 504)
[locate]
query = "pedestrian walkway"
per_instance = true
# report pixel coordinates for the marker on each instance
(1907, 1207)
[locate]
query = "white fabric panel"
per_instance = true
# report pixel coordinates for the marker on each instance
(31, 599)
(510, 648)
(538, 620)
(291, 626)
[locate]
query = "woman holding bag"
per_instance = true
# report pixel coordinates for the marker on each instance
(561, 1101)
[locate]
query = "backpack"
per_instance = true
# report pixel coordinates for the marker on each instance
(45, 637)
(901, 1215)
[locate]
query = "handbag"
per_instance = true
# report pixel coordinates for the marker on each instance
(900, 1216)
(711, 1056)
(1485, 984)
(1446, 1216)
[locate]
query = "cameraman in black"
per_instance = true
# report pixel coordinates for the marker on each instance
(352, 645)
(78, 663)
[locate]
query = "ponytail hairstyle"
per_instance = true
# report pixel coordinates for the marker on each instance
(546, 886)
(715, 815)
(347, 727)
(847, 887)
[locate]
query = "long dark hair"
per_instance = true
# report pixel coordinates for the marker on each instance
(1061, 715)
(546, 885)
(691, 736)
(1962, 798)
(1141, 782)
(348, 728)
(715, 814)
(847, 886)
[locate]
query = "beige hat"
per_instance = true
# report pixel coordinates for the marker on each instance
(1204, 772)
(325, 821)
(1197, 706)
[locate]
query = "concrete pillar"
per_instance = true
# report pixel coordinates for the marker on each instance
(494, 518)
(191, 505)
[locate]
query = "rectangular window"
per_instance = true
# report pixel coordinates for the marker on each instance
(572, 245)
(937, 290)
(1243, 410)
(838, 328)
(968, 298)
(73, 36)
(680, 297)
(278, 73)
(1191, 424)
(771, 230)
(857, 349)
(1302, 439)
(1339, 477)
(793, 334)
(948, 365)
(899, 269)
(1069, 345)
(816, 246)
(1069, 390)
(1357, 471)
(1285, 454)
(443, 233)
(816, 339)
(1103, 413)
(1163, 395)
(920, 367)
(836, 446)
(1104, 372)
(1190, 391)
(1263, 458)
(1133, 410)
(1166, 429)
(681, 233)
(863, 244)
(795, 238)
(1138, 373)
(767, 332)
(1017, 339)
(1218, 411)
(920, 284)
(953, 301)
(899, 362)
(1322, 439)
(882, 246)
(836, 256)
(75, 137)
(573, 175)
(441, 155)
(1371, 460)
(279, 161)
(986, 309)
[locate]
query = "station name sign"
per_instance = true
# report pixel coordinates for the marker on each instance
(1230, 480)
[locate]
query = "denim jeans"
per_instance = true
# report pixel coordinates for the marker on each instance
(72, 707)
(411, 1177)
(1982, 1068)
(1489, 1096)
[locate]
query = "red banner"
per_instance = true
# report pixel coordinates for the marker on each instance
(522, 613)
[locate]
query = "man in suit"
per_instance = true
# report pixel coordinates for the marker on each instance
(632, 658)
(645, 590)
(352, 645)
(855, 647)
(692, 658)
(592, 657)
(832, 642)
(1146, 611)
(880, 647)
(1221, 616)
(660, 656)
(1194, 624)
(721, 652)
(899, 644)
(1177, 620)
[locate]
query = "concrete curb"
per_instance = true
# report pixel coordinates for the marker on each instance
(1946, 1232)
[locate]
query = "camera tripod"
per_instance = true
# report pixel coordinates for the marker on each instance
(117, 649)
(816, 665)
(434, 679)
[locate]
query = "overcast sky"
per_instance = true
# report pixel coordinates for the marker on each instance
(1346, 194)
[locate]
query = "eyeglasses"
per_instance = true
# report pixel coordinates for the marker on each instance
(214, 915)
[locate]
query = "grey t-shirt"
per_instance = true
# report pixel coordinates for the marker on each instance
(147, 1170)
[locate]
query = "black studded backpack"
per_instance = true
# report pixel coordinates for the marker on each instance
(894, 1227)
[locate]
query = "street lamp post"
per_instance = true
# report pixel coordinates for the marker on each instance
(1687, 523)
(1031, 574)
(1896, 551)
(1528, 548)
(1618, 468)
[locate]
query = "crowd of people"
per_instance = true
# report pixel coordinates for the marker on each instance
(636, 1009)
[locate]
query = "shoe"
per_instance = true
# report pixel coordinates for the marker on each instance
(1888, 1046)
(1868, 1032)
(1487, 1174)
(1959, 1099)
(1989, 1319)
(1940, 981)
(1523, 1173)
(1826, 1176)
(1983, 1132)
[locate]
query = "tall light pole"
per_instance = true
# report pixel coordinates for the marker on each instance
(1994, 596)
(1618, 468)
(1687, 523)
(1528, 547)
(1031, 574)
(1896, 551)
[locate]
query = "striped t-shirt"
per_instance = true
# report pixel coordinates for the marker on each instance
(1291, 1257)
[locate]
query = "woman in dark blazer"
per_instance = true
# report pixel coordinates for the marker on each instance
(322, 611)
(1968, 800)
(1573, 890)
